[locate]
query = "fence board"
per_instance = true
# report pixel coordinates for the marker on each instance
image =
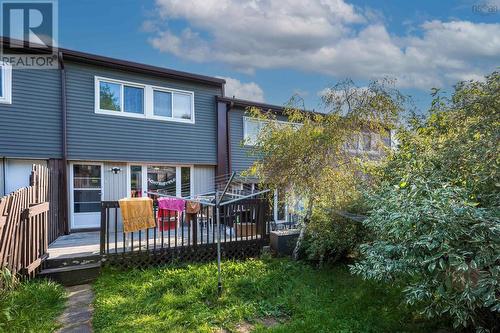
(24, 234)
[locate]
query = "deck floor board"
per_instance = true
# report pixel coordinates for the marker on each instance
(81, 244)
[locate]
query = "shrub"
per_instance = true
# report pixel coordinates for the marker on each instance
(445, 247)
(330, 237)
(435, 214)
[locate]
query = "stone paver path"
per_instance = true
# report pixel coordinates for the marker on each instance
(77, 316)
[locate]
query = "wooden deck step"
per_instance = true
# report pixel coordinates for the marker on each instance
(73, 275)
(73, 261)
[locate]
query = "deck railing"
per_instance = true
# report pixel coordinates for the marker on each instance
(244, 230)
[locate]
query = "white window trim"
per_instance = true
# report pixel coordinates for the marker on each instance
(276, 208)
(144, 175)
(6, 72)
(122, 101)
(247, 119)
(148, 101)
(359, 150)
(172, 91)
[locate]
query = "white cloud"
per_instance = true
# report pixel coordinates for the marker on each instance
(250, 91)
(326, 36)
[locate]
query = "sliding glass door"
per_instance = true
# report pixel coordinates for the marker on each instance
(136, 181)
(155, 179)
(161, 180)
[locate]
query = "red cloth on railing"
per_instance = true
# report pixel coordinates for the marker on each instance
(167, 219)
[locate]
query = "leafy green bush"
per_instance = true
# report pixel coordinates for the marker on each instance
(330, 237)
(445, 246)
(435, 214)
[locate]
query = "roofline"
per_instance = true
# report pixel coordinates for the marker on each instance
(139, 67)
(94, 59)
(248, 104)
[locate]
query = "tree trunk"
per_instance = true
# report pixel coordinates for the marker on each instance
(307, 217)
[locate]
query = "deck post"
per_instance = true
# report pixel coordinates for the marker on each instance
(103, 229)
(219, 279)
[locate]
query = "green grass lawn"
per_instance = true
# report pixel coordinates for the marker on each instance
(303, 299)
(32, 307)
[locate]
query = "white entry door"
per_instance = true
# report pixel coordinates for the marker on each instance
(86, 195)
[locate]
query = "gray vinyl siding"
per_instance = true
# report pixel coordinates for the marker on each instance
(18, 173)
(94, 136)
(115, 184)
(30, 127)
(115, 188)
(203, 179)
(241, 156)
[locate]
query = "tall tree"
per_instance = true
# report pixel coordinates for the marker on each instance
(315, 156)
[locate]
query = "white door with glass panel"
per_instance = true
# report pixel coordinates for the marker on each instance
(86, 195)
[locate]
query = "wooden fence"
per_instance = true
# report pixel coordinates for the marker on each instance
(24, 216)
(58, 215)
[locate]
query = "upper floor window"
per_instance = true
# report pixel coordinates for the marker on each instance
(143, 101)
(121, 97)
(365, 142)
(5, 83)
(172, 104)
(251, 130)
(253, 126)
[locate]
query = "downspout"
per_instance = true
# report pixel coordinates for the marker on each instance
(229, 107)
(228, 138)
(64, 171)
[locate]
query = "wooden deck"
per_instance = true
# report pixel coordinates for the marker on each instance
(78, 244)
(244, 231)
(82, 244)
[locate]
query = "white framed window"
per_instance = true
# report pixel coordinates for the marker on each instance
(253, 126)
(365, 142)
(119, 97)
(123, 98)
(5, 83)
(172, 104)
(251, 130)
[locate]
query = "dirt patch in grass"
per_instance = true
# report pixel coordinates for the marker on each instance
(246, 327)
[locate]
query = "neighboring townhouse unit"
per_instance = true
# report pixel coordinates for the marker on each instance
(236, 145)
(241, 131)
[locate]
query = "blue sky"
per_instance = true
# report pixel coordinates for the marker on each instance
(270, 50)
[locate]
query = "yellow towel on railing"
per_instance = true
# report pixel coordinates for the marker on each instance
(137, 214)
